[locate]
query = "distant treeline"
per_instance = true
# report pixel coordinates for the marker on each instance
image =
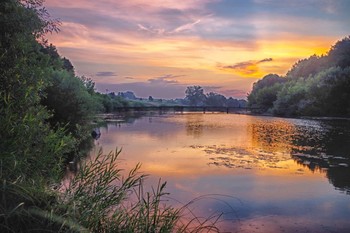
(194, 97)
(316, 86)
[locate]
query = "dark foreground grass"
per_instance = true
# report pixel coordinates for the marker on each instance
(102, 200)
(97, 199)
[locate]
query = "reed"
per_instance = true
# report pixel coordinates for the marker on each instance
(101, 199)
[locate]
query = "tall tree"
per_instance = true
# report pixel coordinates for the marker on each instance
(195, 95)
(215, 99)
(339, 54)
(265, 92)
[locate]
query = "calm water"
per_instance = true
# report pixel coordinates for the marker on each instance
(270, 174)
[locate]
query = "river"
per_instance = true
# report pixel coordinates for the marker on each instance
(266, 174)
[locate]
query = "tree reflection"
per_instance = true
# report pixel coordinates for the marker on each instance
(194, 125)
(321, 146)
(273, 136)
(328, 151)
(317, 145)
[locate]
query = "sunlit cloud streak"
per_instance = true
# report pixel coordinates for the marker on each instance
(106, 73)
(246, 68)
(165, 79)
(162, 31)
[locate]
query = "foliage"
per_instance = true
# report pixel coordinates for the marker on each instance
(329, 92)
(110, 102)
(28, 208)
(308, 67)
(69, 99)
(214, 99)
(339, 55)
(29, 147)
(289, 98)
(265, 92)
(32, 153)
(317, 86)
(195, 95)
(100, 199)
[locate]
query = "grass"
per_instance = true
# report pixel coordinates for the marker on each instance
(98, 199)
(102, 200)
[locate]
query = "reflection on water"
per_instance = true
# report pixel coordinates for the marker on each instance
(273, 136)
(194, 124)
(285, 174)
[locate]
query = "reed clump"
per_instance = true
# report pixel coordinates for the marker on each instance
(101, 199)
(98, 198)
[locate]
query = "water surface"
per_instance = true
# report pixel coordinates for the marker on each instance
(265, 174)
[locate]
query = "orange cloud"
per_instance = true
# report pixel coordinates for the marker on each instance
(246, 68)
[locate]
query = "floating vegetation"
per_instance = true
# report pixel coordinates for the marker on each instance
(235, 157)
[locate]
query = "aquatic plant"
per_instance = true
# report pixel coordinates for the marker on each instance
(99, 198)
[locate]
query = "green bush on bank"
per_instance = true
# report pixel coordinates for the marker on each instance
(317, 86)
(32, 151)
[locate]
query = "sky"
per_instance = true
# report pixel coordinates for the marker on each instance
(159, 47)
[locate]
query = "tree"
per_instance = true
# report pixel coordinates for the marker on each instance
(69, 100)
(214, 99)
(339, 55)
(329, 92)
(265, 92)
(308, 67)
(26, 141)
(267, 81)
(31, 152)
(195, 95)
(67, 65)
(290, 99)
(316, 86)
(87, 82)
(231, 102)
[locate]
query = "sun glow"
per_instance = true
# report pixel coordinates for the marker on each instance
(197, 39)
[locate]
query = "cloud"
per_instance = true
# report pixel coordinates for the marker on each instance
(163, 31)
(326, 6)
(265, 60)
(208, 89)
(105, 74)
(147, 39)
(145, 89)
(165, 86)
(185, 27)
(165, 16)
(165, 79)
(151, 30)
(246, 68)
(235, 93)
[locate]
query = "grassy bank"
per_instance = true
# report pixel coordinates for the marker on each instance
(97, 199)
